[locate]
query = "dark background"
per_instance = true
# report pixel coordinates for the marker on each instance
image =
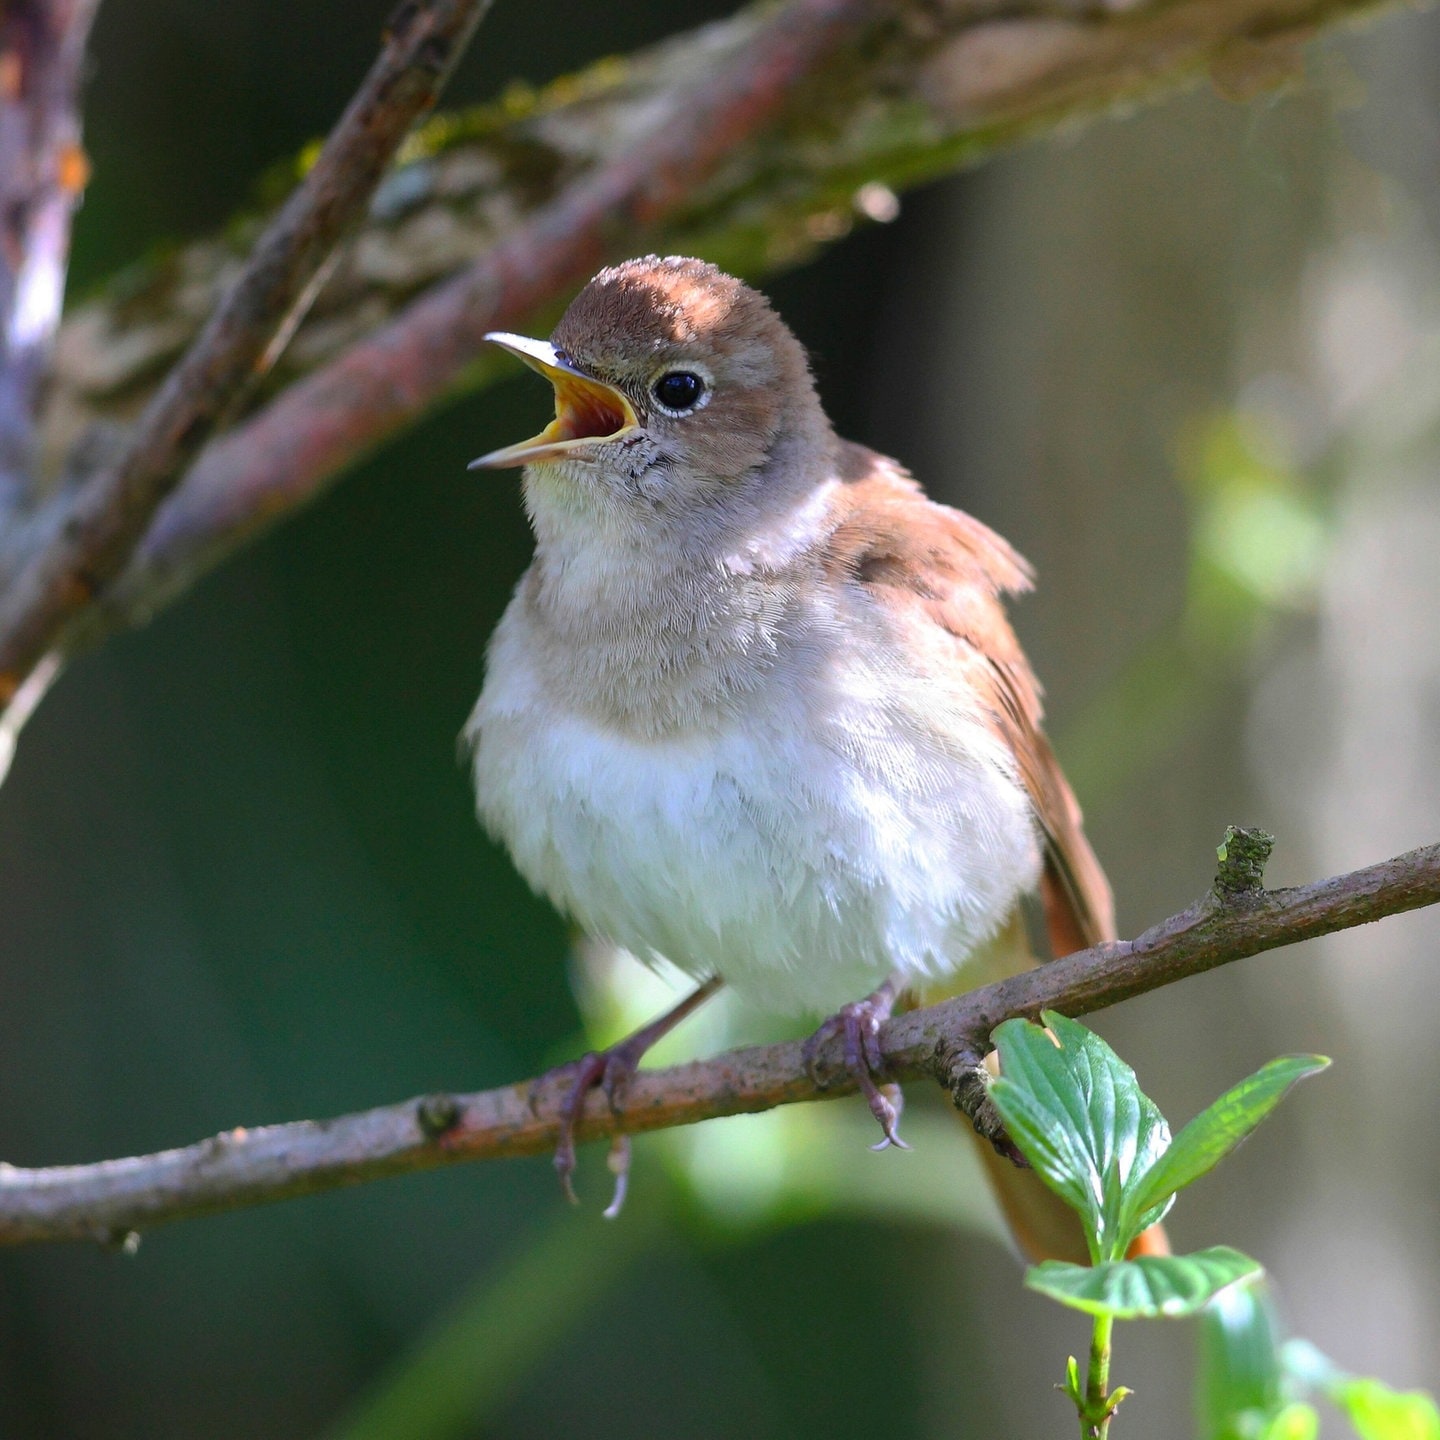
(1185, 361)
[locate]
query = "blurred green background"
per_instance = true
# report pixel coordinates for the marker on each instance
(1189, 362)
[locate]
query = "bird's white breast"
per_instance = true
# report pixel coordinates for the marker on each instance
(821, 836)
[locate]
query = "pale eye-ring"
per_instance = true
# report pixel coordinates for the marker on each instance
(679, 391)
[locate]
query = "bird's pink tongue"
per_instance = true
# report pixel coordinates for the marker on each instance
(583, 411)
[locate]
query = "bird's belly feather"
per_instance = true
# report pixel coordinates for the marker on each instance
(801, 863)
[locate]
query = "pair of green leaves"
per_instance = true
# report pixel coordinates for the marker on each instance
(1078, 1114)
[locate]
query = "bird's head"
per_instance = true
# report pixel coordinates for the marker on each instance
(680, 396)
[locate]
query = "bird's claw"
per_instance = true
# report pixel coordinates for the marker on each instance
(619, 1162)
(585, 1073)
(859, 1025)
(609, 1071)
(612, 1071)
(886, 1103)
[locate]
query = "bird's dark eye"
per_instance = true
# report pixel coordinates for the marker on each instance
(678, 390)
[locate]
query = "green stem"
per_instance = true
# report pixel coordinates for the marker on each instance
(1095, 1418)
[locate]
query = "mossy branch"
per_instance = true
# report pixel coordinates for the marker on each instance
(753, 142)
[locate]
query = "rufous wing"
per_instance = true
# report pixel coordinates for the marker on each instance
(915, 553)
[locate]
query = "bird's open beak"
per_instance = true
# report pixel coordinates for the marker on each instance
(586, 410)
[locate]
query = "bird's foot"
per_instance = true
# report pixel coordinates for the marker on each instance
(859, 1026)
(610, 1071)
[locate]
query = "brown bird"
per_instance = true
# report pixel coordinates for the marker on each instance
(755, 707)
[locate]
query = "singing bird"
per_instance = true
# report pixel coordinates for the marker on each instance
(755, 706)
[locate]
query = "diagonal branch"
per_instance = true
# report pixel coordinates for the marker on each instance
(114, 507)
(323, 423)
(109, 1200)
(751, 142)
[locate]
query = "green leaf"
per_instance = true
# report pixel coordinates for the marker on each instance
(1078, 1114)
(1375, 1410)
(1294, 1422)
(1072, 1387)
(1239, 1380)
(1147, 1288)
(1217, 1130)
(1380, 1413)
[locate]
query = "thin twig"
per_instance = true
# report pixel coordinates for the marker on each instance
(109, 1200)
(42, 174)
(113, 509)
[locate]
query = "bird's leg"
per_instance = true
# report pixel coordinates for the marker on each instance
(611, 1070)
(859, 1024)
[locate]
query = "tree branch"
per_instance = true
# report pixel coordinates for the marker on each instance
(42, 174)
(752, 142)
(253, 322)
(108, 1201)
(322, 423)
